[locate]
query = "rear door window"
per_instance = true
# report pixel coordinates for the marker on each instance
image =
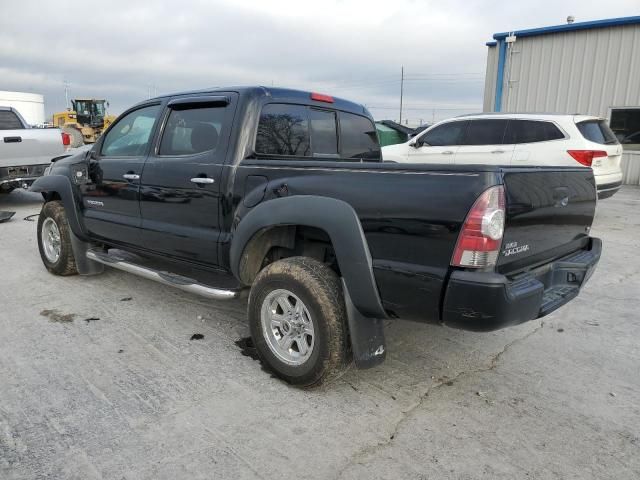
(283, 129)
(531, 131)
(324, 133)
(192, 131)
(9, 121)
(358, 138)
(445, 135)
(485, 132)
(597, 131)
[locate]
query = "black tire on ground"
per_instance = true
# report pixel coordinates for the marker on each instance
(320, 291)
(77, 140)
(66, 263)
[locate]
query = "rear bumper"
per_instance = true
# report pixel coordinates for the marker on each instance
(20, 177)
(608, 189)
(485, 301)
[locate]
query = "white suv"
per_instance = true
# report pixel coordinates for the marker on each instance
(519, 139)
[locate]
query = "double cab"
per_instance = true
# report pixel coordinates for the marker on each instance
(282, 195)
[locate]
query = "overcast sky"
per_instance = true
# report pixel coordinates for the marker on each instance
(123, 50)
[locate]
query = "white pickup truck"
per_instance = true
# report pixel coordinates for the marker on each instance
(25, 152)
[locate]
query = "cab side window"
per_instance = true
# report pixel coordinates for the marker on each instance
(445, 135)
(131, 135)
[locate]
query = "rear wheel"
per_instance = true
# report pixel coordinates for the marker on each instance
(77, 140)
(54, 240)
(297, 320)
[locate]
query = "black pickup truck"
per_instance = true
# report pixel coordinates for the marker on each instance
(284, 194)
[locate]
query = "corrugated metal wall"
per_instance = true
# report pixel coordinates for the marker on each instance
(583, 71)
(490, 79)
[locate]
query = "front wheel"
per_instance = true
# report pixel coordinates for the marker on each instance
(297, 320)
(54, 240)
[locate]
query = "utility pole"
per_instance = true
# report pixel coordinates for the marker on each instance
(401, 91)
(66, 94)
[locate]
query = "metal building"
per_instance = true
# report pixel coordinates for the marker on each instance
(588, 67)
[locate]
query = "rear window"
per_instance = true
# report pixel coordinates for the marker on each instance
(324, 133)
(283, 130)
(485, 132)
(597, 131)
(531, 131)
(9, 121)
(359, 137)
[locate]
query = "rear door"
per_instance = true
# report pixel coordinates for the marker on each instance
(438, 144)
(111, 198)
(537, 142)
(483, 143)
(549, 211)
(180, 185)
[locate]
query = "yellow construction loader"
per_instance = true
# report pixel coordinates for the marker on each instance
(85, 122)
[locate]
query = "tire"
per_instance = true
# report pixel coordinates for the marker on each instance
(77, 140)
(54, 236)
(322, 312)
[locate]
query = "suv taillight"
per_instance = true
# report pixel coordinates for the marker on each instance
(481, 235)
(66, 139)
(585, 157)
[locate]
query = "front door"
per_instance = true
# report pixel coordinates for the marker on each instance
(111, 197)
(438, 144)
(180, 189)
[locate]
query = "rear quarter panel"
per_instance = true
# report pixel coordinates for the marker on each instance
(411, 218)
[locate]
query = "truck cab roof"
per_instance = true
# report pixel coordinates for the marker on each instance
(287, 95)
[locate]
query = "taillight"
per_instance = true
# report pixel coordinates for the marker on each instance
(66, 139)
(321, 97)
(585, 157)
(481, 234)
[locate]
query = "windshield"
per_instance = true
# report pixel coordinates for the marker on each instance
(88, 107)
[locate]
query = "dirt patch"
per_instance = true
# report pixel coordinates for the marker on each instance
(197, 336)
(57, 317)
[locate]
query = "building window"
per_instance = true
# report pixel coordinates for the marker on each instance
(625, 123)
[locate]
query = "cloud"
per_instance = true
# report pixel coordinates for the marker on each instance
(120, 50)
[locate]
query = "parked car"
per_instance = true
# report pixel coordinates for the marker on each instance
(283, 194)
(519, 139)
(25, 152)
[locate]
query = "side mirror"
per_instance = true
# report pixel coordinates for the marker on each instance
(417, 143)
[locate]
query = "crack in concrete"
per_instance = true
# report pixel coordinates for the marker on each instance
(492, 364)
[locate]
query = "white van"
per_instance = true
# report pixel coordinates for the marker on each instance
(519, 139)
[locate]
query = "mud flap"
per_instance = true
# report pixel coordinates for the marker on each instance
(367, 335)
(83, 264)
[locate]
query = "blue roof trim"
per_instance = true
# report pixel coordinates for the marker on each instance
(532, 32)
(491, 44)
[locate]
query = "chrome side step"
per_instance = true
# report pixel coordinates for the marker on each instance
(178, 281)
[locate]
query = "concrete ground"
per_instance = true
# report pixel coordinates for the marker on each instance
(99, 379)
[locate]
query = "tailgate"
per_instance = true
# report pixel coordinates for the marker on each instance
(29, 146)
(549, 212)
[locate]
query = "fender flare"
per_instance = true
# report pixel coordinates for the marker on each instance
(62, 186)
(341, 223)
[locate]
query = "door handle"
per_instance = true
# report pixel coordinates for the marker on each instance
(498, 151)
(202, 180)
(448, 152)
(131, 176)
(12, 139)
